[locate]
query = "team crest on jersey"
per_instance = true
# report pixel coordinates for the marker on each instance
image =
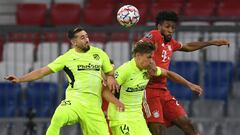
(156, 114)
(148, 35)
(96, 56)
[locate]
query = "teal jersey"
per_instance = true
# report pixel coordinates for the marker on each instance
(133, 82)
(84, 73)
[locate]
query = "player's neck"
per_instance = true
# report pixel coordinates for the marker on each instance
(79, 50)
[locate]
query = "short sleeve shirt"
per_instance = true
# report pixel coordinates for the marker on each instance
(83, 71)
(133, 82)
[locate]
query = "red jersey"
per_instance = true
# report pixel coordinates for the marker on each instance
(162, 57)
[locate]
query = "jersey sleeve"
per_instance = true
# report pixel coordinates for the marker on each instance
(57, 64)
(121, 74)
(106, 66)
(176, 45)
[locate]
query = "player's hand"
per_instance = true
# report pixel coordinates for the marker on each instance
(152, 69)
(120, 106)
(219, 42)
(12, 78)
(196, 89)
(112, 84)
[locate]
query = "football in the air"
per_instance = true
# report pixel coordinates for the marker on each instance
(128, 15)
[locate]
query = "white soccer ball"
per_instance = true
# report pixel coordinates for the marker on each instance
(128, 15)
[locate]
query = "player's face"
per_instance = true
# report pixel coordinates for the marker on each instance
(81, 41)
(144, 60)
(167, 29)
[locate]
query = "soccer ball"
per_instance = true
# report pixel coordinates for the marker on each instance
(128, 15)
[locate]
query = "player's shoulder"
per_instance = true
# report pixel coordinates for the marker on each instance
(67, 53)
(125, 66)
(173, 41)
(94, 49)
(155, 33)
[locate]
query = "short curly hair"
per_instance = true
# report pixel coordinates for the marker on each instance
(166, 16)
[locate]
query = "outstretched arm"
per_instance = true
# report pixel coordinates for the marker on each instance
(179, 79)
(34, 75)
(107, 95)
(193, 46)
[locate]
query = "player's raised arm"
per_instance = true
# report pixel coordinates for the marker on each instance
(193, 46)
(34, 75)
(179, 79)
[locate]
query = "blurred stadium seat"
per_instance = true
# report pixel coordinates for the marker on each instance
(18, 52)
(42, 96)
(208, 127)
(18, 69)
(118, 48)
(164, 5)
(228, 8)
(238, 71)
(218, 77)
(96, 15)
(100, 2)
(9, 99)
(208, 109)
(1, 47)
(235, 93)
(190, 71)
(199, 8)
(230, 127)
(232, 110)
(31, 14)
(65, 14)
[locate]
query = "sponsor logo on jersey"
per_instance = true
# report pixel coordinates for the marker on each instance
(88, 67)
(137, 88)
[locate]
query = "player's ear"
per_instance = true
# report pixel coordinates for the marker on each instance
(73, 42)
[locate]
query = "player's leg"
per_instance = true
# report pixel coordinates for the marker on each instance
(63, 115)
(156, 128)
(154, 115)
(175, 114)
(186, 125)
(92, 121)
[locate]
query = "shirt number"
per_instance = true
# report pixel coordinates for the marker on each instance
(164, 56)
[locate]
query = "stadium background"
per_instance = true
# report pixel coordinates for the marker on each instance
(33, 33)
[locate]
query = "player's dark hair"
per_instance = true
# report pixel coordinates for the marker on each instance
(143, 47)
(72, 32)
(166, 16)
